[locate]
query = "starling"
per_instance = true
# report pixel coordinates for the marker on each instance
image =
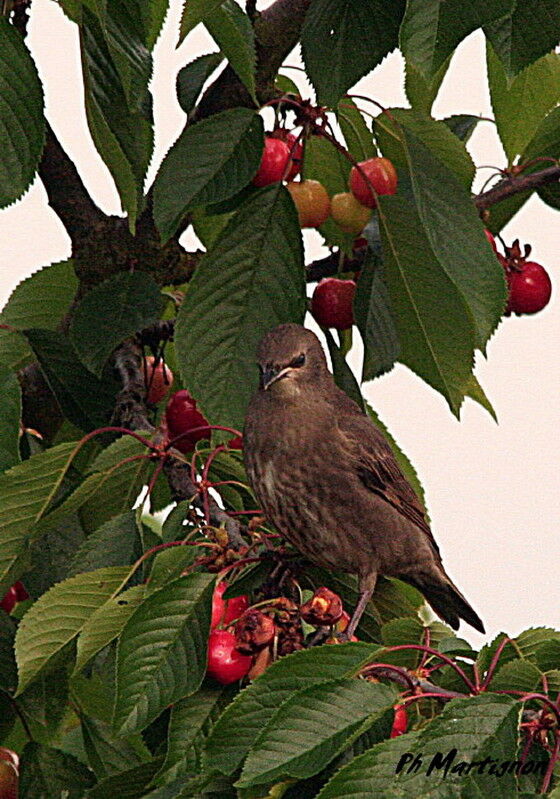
(328, 480)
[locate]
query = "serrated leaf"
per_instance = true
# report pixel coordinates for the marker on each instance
(249, 579)
(518, 675)
(530, 31)
(26, 491)
(111, 312)
(115, 543)
(43, 705)
(10, 421)
(8, 668)
(106, 623)
(194, 12)
(466, 730)
(117, 68)
(170, 564)
(47, 773)
(431, 30)
(59, 615)
(374, 318)
(22, 124)
(250, 281)
(474, 390)
(462, 125)
(210, 162)
(544, 144)
(40, 300)
(232, 31)
(420, 90)
(162, 651)
(358, 137)
(85, 400)
(548, 655)
(107, 754)
(520, 105)
(238, 727)
(343, 375)
(130, 784)
(192, 77)
(343, 40)
(52, 553)
(188, 719)
(310, 728)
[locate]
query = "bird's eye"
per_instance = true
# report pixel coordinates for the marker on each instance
(299, 361)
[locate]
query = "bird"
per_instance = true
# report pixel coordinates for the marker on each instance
(327, 479)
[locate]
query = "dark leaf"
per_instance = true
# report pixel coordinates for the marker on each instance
(47, 773)
(192, 77)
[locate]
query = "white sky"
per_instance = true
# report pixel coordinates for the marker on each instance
(492, 490)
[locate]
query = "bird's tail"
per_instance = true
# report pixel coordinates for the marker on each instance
(446, 599)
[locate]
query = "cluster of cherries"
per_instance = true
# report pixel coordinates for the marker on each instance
(282, 160)
(529, 286)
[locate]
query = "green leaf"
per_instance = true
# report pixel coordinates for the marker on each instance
(162, 651)
(115, 543)
(311, 728)
(117, 67)
(343, 40)
(518, 675)
(238, 727)
(467, 730)
(43, 704)
(343, 375)
(59, 615)
(106, 623)
(422, 91)
(170, 564)
(431, 30)
(374, 318)
(195, 12)
(249, 579)
(107, 754)
(8, 668)
(521, 105)
(210, 162)
(358, 137)
(9, 422)
(26, 491)
(189, 718)
(130, 784)
(85, 400)
(52, 553)
(111, 312)
(47, 773)
(40, 300)
(251, 280)
(530, 31)
(22, 124)
(232, 31)
(474, 390)
(544, 144)
(192, 77)
(462, 125)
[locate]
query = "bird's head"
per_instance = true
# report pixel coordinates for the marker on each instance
(289, 356)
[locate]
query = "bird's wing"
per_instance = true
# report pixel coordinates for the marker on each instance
(377, 466)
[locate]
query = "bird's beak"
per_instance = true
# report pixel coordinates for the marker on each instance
(271, 374)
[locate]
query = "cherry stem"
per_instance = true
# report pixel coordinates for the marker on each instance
(494, 662)
(472, 688)
(156, 474)
(400, 675)
(551, 764)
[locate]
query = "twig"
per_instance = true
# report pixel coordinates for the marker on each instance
(515, 185)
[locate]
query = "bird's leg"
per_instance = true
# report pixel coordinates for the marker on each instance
(367, 587)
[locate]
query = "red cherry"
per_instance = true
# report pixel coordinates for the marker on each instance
(529, 288)
(235, 607)
(331, 303)
(10, 756)
(381, 174)
(183, 416)
(10, 599)
(21, 593)
(225, 663)
(491, 239)
(274, 162)
(225, 611)
(400, 721)
(158, 378)
(218, 605)
(236, 443)
(296, 155)
(8, 780)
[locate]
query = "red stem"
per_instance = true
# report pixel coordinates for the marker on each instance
(494, 661)
(551, 764)
(472, 688)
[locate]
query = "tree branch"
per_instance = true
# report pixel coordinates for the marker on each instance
(515, 185)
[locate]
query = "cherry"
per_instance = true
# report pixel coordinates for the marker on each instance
(225, 611)
(274, 162)
(9, 779)
(9, 755)
(312, 202)
(158, 378)
(183, 416)
(13, 595)
(349, 214)
(400, 721)
(529, 288)
(381, 174)
(225, 663)
(236, 443)
(296, 150)
(331, 303)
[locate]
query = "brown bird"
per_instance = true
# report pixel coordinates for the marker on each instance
(328, 480)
